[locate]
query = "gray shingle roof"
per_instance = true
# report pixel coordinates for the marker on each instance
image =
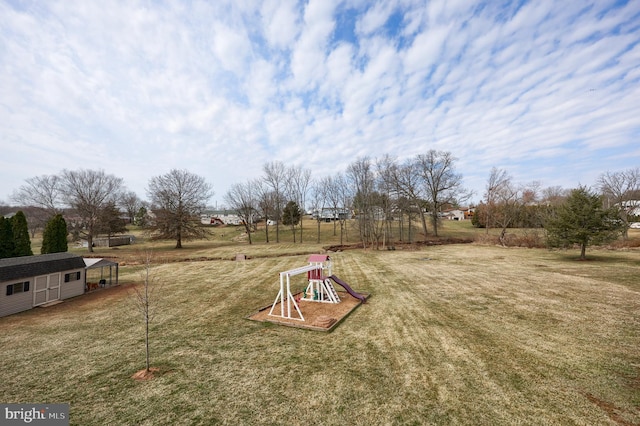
(15, 268)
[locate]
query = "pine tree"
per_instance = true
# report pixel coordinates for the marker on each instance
(54, 239)
(582, 220)
(7, 244)
(291, 216)
(22, 242)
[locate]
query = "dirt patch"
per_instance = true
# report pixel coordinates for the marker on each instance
(402, 245)
(612, 411)
(317, 316)
(145, 374)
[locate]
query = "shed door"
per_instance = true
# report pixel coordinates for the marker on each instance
(46, 289)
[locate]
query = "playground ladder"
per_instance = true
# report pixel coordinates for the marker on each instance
(329, 285)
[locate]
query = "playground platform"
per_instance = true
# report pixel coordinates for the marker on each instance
(318, 316)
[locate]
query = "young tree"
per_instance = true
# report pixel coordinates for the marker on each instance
(54, 238)
(583, 220)
(177, 199)
(241, 198)
(89, 192)
(145, 299)
(22, 243)
(7, 243)
(291, 216)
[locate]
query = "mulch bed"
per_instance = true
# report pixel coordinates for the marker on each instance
(317, 316)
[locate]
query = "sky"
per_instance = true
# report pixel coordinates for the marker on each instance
(547, 90)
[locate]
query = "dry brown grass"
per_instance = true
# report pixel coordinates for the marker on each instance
(459, 334)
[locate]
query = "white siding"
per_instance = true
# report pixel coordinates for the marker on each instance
(16, 302)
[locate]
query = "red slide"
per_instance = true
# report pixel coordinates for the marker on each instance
(348, 288)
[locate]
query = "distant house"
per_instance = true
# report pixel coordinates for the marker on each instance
(30, 281)
(328, 214)
(458, 214)
(220, 217)
(632, 207)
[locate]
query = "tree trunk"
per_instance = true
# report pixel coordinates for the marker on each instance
(147, 338)
(583, 251)
(435, 222)
(423, 219)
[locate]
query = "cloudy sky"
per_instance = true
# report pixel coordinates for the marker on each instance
(548, 90)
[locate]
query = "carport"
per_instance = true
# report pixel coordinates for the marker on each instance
(100, 272)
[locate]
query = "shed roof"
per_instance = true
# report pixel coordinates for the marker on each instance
(15, 268)
(94, 262)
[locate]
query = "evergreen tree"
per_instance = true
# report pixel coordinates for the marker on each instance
(54, 239)
(583, 220)
(22, 243)
(291, 216)
(7, 244)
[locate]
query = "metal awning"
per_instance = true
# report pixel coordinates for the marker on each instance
(95, 263)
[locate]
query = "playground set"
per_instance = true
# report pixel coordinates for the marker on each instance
(287, 307)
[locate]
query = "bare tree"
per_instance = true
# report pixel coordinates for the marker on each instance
(621, 189)
(266, 203)
(298, 184)
(409, 183)
(333, 197)
(345, 197)
(177, 199)
(145, 300)
(43, 191)
(498, 179)
(442, 184)
(318, 200)
(362, 177)
(275, 175)
(554, 195)
(386, 172)
(131, 203)
(506, 206)
(88, 193)
(242, 199)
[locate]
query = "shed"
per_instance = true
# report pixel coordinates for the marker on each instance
(30, 281)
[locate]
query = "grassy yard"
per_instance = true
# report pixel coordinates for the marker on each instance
(457, 334)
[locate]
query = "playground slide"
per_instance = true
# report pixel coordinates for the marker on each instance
(348, 288)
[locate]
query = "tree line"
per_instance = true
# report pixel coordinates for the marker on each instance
(93, 201)
(390, 200)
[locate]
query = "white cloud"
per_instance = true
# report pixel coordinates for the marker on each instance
(280, 22)
(221, 88)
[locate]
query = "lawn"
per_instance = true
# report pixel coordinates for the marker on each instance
(455, 334)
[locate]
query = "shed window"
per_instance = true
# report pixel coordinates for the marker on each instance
(74, 276)
(17, 288)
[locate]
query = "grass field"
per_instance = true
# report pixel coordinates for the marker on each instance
(457, 334)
